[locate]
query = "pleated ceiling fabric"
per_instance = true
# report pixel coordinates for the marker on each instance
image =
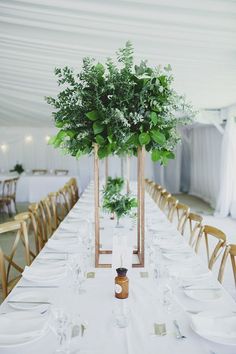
(196, 37)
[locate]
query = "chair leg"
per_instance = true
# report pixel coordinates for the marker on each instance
(14, 201)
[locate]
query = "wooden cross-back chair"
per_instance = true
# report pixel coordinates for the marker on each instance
(8, 196)
(32, 230)
(39, 171)
(61, 172)
(62, 203)
(54, 209)
(39, 224)
(213, 233)
(47, 217)
(230, 251)
(181, 211)
(172, 203)
(74, 189)
(7, 261)
(148, 185)
(194, 228)
(156, 194)
(163, 199)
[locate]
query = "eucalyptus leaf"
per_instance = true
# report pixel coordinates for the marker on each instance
(156, 155)
(93, 115)
(158, 137)
(97, 128)
(99, 139)
(79, 154)
(144, 138)
(153, 118)
(102, 152)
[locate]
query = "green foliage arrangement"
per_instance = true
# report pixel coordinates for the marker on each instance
(120, 106)
(113, 186)
(18, 168)
(119, 204)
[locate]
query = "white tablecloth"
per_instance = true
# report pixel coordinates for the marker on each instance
(96, 307)
(32, 188)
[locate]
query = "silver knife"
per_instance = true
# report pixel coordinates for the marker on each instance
(29, 302)
(179, 335)
(37, 286)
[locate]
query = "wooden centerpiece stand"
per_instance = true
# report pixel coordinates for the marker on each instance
(140, 212)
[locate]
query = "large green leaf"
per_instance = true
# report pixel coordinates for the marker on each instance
(97, 128)
(153, 117)
(99, 139)
(79, 154)
(71, 133)
(60, 124)
(133, 140)
(158, 137)
(58, 139)
(102, 152)
(169, 155)
(156, 155)
(144, 138)
(93, 115)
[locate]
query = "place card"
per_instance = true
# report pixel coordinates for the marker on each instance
(160, 329)
(144, 274)
(91, 275)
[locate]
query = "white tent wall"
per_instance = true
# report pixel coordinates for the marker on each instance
(29, 147)
(205, 164)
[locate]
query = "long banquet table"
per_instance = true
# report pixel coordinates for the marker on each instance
(96, 305)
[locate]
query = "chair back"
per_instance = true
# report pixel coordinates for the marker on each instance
(7, 259)
(212, 233)
(194, 228)
(61, 172)
(39, 171)
(172, 203)
(230, 251)
(182, 212)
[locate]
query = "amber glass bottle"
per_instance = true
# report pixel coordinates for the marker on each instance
(121, 284)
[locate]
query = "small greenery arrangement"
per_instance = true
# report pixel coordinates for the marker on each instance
(119, 204)
(120, 106)
(18, 168)
(113, 186)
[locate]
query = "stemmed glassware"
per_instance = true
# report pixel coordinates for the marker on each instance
(67, 327)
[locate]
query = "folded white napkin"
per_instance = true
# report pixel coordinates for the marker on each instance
(70, 245)
(223, 326)
(21, 327)
(44, 273)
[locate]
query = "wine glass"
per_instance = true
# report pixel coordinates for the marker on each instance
(61, 326)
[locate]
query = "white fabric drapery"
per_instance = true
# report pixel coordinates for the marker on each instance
(205, 149)
(226, 204)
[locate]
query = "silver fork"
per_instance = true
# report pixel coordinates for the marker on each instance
(179, 335)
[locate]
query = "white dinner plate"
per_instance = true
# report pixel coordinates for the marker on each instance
(179, 256)
(205, 294)
(211, 326)
(31, 296)
(21, 327)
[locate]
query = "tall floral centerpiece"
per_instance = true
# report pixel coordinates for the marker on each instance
(118, 108)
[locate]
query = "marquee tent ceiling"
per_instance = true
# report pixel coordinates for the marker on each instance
(196, 37)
